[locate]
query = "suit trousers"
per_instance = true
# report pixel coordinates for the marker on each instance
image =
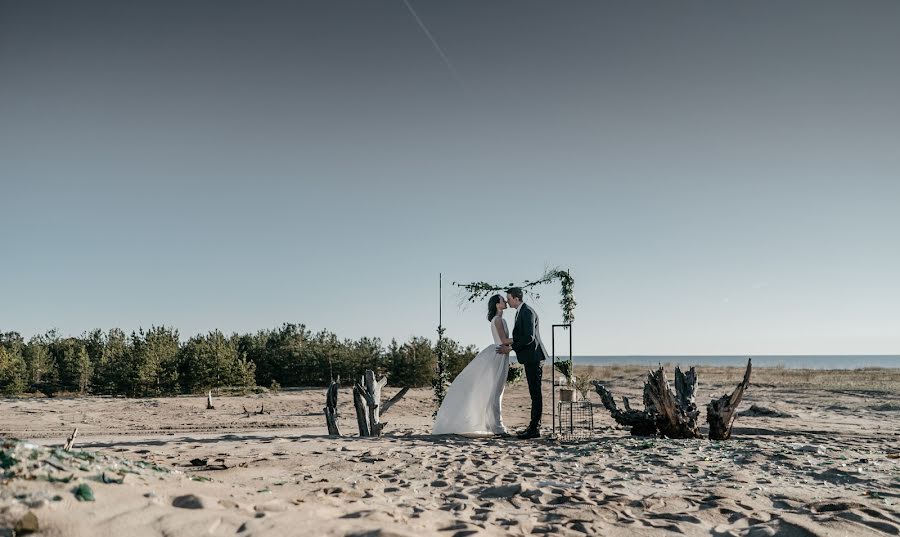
(533, 373)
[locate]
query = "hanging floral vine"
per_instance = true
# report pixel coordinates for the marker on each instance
(442, 378)
(480, 290)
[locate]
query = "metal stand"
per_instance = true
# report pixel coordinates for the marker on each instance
(576, 420)
(557, 419)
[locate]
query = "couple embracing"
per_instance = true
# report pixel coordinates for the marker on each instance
(473, 401)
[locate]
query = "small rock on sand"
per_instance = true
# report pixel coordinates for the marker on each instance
(27, 524)
(188, 501)
(766, 411)
(377, 533)
(504, 491)
(810, 448)
(273, 506)
(834, 505)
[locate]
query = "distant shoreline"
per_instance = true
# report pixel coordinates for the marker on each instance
(786, 361)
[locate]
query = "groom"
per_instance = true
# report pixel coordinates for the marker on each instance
(531, 353)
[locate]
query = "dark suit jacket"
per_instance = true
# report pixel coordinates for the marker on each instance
(527, 337)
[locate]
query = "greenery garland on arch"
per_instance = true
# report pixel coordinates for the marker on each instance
(442, 378)
(481, 290)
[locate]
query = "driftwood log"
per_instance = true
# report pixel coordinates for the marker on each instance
(720, 413)
(373, 401)
(367, 402)
(385, 407)
(359, 404)
(331, 408)
(674, 414)
(262, 410)
(641, 422)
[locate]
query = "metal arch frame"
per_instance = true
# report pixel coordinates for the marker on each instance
(567, 327)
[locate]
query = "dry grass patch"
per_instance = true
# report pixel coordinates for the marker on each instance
(866, 379)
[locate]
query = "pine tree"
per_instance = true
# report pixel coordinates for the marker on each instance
(40, 369)
(12, 371)
(73, 363)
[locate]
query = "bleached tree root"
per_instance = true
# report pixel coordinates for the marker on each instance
(720, 413)
(674, 414)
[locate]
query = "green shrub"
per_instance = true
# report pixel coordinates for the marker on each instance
(155, 362)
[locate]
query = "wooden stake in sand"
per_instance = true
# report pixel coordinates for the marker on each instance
(331, 408)
(720, 412)
(373, 401)
(360, 405)
(209, 405)
(71, 441)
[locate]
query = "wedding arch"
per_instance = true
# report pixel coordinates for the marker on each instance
(480, 290)
(475, 291)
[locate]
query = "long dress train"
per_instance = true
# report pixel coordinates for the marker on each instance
(472, 405)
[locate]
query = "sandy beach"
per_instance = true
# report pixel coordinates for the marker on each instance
(819, 455)
(273, 199)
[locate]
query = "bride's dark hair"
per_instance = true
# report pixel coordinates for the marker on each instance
(492, 307)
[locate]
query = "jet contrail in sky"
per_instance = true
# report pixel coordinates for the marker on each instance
(436, 46)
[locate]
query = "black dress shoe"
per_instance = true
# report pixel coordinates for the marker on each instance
(528, 434)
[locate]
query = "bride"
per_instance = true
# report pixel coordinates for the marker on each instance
(472, 404)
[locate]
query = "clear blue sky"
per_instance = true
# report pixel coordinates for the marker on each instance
(721, 178)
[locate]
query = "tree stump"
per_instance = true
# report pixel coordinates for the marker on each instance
(367, 401)
(373, 401)
(331, 408)
(720, 413)
(667, 413)
(676, 412)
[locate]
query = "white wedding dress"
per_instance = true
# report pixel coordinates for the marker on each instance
(472, 404)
